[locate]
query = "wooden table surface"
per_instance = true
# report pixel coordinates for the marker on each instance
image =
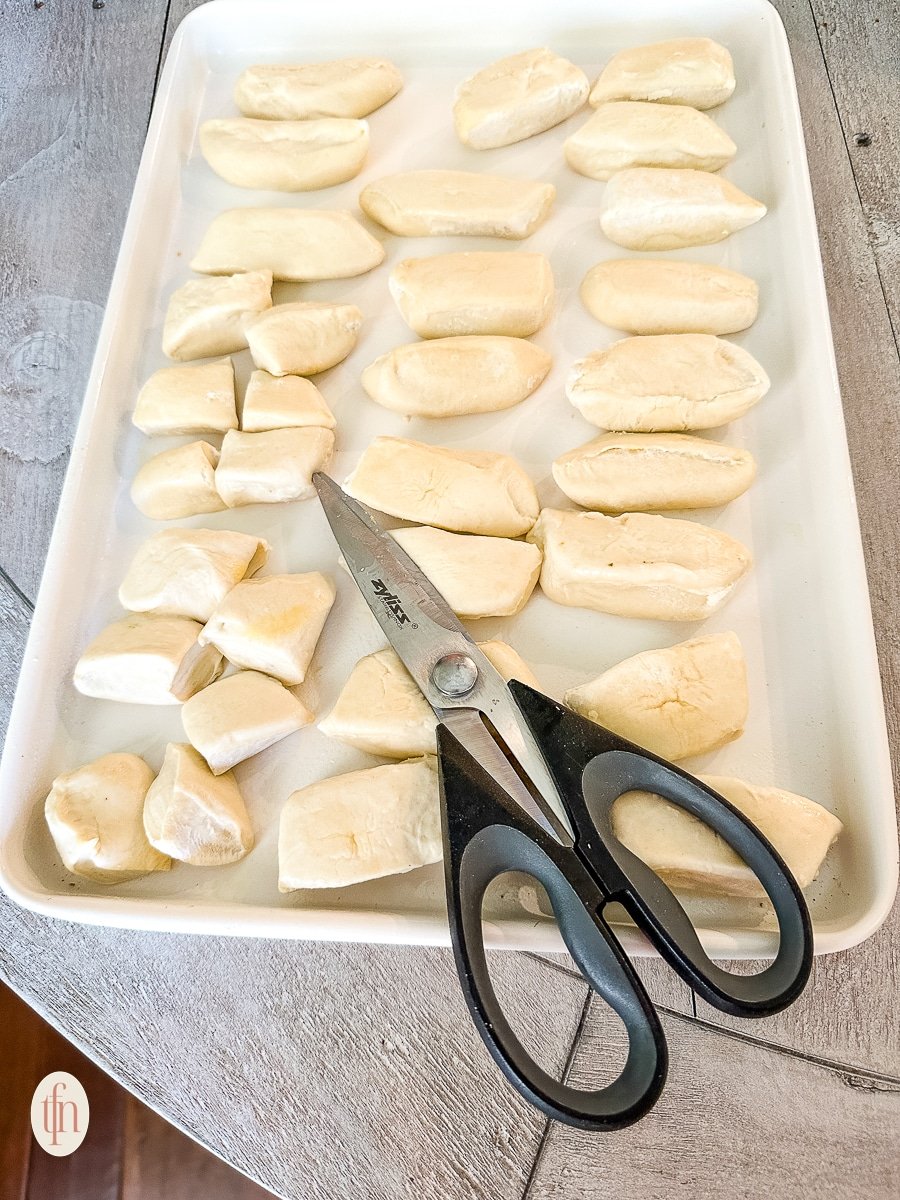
(348, 1072)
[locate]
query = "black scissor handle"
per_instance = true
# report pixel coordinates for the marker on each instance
(592, 767)
(483, 838)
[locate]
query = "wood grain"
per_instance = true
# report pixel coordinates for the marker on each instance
(18, 1077)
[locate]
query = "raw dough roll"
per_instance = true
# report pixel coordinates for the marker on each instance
(283, 402)
(671, 382)
(662, 296)
(676, 702)
(456, 376)
(284, 156)
(272, 467)
(303, 338)
(206, 317)
(619, 472)
(178, 483)
(695, 71)
(478, 576)
(457, 203)
(633, 133)
(637, 565)
(466, 491)
(475, 292)
(298, 244)
(517, 97)
(651, 208)
(345, 87)
(195, 399)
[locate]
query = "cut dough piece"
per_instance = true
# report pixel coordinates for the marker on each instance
(206, 317)
(638, 565)
(517, 97)
(642, 295)
(676, 702)
(477, 576)
(652, 208)
(272, 624)
(457, 203)
(178, 483)
(299, 244)
(283, 402)
(362, 825)
(671, 382)
(194, 399)
(145, 659)
(688, 854)
(381, 711)
(239, 716)
(272, 467)
(195, 816)
(695, 71)
(637, 134)
(187, 572)
(456, 376)
(346, 87)
(467, 491)
(303, 338)
(618, 472)
(285, 156)
(481, 291)
(95, 816)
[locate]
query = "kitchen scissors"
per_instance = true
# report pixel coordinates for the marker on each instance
(527, 785)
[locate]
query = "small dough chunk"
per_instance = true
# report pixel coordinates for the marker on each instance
(345, 87)
(187, 572)
(272, 467)
(303, 338)
(619, 472)
(517, 97)
(456, 376)
(178, 483)
(672, 382)
(145, 659)
(676, 702)
(688, 854)
(284, 156)
(638, 565)
(695, 71)
(466, 491)
(296, 244)
(206, 317)
(283, 402)
(633, 133)
(240, 716)
(272, 624)
(653, 208)
(457, 204)
(381, 711)
(477, 291)
(649, 295)
(195, 816)
(195, 399)
(478, 576)
(95, 816)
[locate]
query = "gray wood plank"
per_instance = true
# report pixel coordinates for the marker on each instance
(69, 151)
(737, 1120)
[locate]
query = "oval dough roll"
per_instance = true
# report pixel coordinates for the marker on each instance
(457, 203)
(194, 399)
(638, 565)
(619, 472)
(206, 317)
(676, 702)
(474, 292)
(284, 156)
(345, 87)
(466, 491)
(283, 402)
(296, 244)
(272, 467)
(672, 382)
(663, 296)
(695, 71)
(456, 376)
(633, 133)
(178, 483)
(303, 338)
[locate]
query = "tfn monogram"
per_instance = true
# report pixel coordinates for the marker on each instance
(390, 602)
(55, 1113)
(60, 1113)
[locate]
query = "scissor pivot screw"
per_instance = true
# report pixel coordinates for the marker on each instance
(454, 675)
